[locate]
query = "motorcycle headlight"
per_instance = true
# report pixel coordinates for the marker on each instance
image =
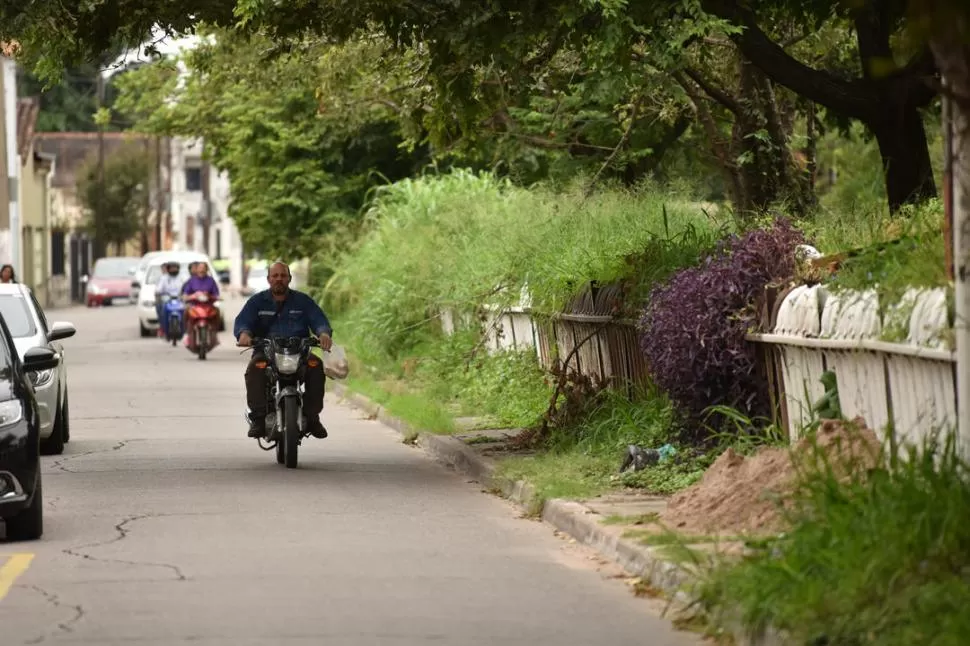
(148, 303)
(287, 364)
(41, 378)
(10, 412)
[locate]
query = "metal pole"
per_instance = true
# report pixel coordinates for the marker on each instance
(13, 161)
(206, 202)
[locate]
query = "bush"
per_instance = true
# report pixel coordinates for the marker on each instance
(880, 557)
(693, 327)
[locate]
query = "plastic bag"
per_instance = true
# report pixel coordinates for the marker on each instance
(335, 363)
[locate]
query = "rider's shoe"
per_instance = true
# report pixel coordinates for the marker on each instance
(257, 426)
(316, 429)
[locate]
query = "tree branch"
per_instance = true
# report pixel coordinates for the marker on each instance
(852, 98)
(713, 91)
(620, 144)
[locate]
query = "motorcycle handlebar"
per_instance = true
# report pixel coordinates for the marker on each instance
(266, 341)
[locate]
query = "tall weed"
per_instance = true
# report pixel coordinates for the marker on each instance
(879, 557)
(461, 240)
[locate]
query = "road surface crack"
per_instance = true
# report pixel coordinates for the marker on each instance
(60, 463)
(66, 626)
(123, 531)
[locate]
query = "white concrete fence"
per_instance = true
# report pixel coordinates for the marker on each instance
(894, 365)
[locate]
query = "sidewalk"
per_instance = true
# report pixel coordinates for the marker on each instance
(615, 525)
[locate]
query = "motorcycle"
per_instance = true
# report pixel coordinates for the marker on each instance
(172, 309)
(203, 320)
(285, 360)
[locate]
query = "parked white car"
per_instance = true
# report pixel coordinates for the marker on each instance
(29, 327)
(147, 314)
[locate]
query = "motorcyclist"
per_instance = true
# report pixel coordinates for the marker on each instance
(169, 284)
(201, 281)
(282, 312)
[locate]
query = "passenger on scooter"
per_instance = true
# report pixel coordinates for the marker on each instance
(282, 312)
(169, 284)
(201, 281)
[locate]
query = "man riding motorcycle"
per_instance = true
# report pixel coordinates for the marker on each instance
(282, 312)
(169, 284)
(200, 281)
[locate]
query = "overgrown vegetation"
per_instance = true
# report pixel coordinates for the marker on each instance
(458, 242)
(877, 556)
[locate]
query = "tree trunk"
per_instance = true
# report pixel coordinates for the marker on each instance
(906, 162)
(901, 93)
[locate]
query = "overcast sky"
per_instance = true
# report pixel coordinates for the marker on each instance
(166, 46)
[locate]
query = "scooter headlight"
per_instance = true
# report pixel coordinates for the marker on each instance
(287, 364)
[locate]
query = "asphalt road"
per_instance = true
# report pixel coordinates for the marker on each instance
(165, 524)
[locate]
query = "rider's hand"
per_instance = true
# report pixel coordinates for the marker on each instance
(245, 340)
(325, 342)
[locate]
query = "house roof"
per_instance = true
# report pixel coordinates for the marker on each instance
(27, 110)
(73, 149)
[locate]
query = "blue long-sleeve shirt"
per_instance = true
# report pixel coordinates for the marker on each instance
(298, 315)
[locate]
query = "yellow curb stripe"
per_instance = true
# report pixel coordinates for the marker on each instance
(16, 565)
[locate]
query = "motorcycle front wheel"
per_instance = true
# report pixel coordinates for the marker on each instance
(291, 431)
(202, 340)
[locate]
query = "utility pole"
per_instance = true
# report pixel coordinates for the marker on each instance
(159, 196)
(99, 244)
(206, 202)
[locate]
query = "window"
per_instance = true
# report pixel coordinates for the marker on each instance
(14, 311)
(45, 327)
(193, 179)
(57, 253)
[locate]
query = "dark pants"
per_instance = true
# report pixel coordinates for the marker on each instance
(256, 384)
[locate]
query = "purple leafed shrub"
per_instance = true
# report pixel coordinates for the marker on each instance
(692, 329)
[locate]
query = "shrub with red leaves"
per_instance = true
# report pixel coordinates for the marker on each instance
(692, 329)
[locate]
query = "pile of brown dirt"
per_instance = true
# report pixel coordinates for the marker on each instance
(740, 495)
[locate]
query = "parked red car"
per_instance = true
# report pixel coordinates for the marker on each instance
(110, 280)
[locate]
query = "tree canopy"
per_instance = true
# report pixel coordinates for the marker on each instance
(297, 165)
(607, 82)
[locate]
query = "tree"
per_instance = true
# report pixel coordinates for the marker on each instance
(301, 154)
(886, 91)
(117, 208)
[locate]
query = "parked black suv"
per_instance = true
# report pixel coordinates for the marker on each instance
(21, 503)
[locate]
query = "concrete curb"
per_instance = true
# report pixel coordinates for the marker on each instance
(568, 516)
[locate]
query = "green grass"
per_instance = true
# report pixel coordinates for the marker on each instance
(639, 519)
(419, 412)
(583, 459)
(879, 558)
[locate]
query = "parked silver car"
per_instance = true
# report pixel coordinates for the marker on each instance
(29, 327)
